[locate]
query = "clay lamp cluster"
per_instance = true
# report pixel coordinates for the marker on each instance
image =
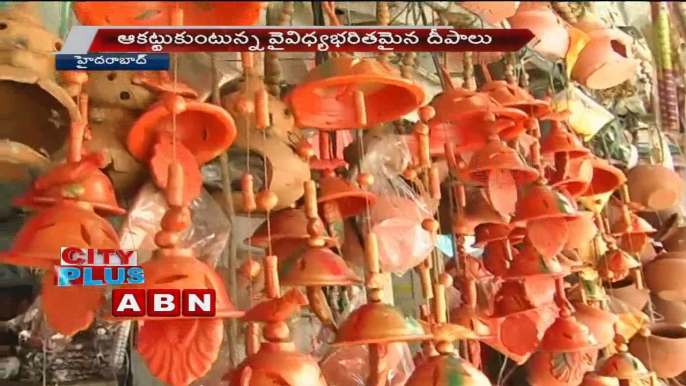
(316, 266)
(375, 323)
(159, 13)
(179, 128)
(632, 231)
(496, 241)
(274, 360)
(194, 342)
(70, 199)
(443, 366)
(605, 180)
(568, 343)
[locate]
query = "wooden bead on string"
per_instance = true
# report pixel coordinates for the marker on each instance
(266, 200)
(252, 338)
(360, 108)
(426, 113)
(310, 198)
(271, 277)
(446, 280)
(371, 253)
(425, 280)
(174, 103)
(176, 218)
(434, 183)
(365, 179)
(174, 191)
(166, 239)
(250, 269)
(262, 119)
(248, 192)
(440, 306)
(305, 150)
(430, 225)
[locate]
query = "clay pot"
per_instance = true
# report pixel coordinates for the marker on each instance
(600, 322)
(671, 312)
(606, 59)
(654, 186)
(559, 368)
(326, 100)
(285, 173)
(665, 278)
(663, 351)
(121, 90)
(378, 323)
(675, 241)
(159, 13)
(626, 291)
(549, 29)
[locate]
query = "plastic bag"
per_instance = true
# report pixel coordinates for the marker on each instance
(207, 235)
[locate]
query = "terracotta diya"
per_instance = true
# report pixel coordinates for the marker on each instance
(654, 187)
(498, 251)
(467, 119)
(606, 178)
(159, 13)
(573, 179)
(625, 367)
(512, 96)
(633, 232)
(346, 93)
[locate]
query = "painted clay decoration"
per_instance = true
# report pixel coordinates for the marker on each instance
(550, 30)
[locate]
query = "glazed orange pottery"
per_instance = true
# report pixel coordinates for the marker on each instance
(606, 59)
(178, 352)
(82, 181)
(39, 242)
(654, 187)
(69, 310)
(159, 13)
(513, 96)
(346, 93)
(469, 118)
(550, 30)
(204, 129)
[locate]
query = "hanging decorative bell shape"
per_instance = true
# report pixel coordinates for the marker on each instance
(82, 181)
(339, 195)
(287, 224)
(530, 263)
(512, 96)
(576, 179)
(634, 234)
(346, 93)
(559, 140)
(615, 264)
(567, 334)
(316, 267)
(540, 202)
(495, 156)
(606, 178)
(38, 244)
(488, 232)
(159, 13)
(378, 323)
(448, 368)
(468, 119)
(624, 367)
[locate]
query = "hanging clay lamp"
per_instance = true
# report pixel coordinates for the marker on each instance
(633, 232)
(582, 230)
(593, 379)
(445, 367)
(276, 361)
(158, 13)
(576, 178)
(550, 30)
(375, 323)
(194, 342)
(339, 200)
(606, 179)
(202, 131)
(529, 262)
(599, 322)
(316, 266)
(512, 96)
(466, 119)
(498, 252)
(567, 351)
(501, 169)
(563, 147)
(347, 93)
(605, 60)
(545, 212)
(284, 225)
(654, 187)
(616, 264)
(268, 144)
(36, 111)
(625, 367)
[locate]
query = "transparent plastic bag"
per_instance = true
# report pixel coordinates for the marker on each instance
(207, 235)
(399, 210)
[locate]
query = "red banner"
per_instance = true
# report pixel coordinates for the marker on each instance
(308, 40)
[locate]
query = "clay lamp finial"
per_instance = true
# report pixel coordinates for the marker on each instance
(346, 93)
(316, 266)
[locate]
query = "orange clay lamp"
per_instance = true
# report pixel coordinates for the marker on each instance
(71, 196)
(377, 324)
(316, 266)
(275, 361)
